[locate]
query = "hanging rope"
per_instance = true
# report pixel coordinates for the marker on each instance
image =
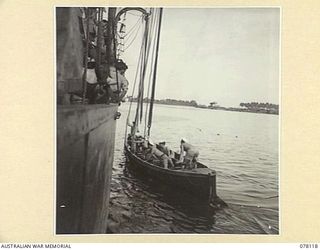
(133, 27)
(144, 66)
(131, 42)
(135, 79)
(84, 77)
(140, 82)
(150, 40)
(126, 37)
(115, 58)
(99, 41)
(155, 73)
(132, 14)
(133, 90)
(145, 54)
(153, 30)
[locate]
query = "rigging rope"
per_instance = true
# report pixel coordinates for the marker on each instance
(126, 37)
(155, 73)
(154, 28)
(134, 87)
(131, 42)
(136, 75)
(84, 77)
(145, 59)
(115, 57)
(147, 50)
(141, 81)
(133, 27)
(133, 14)
(150, 40)
(99, 40)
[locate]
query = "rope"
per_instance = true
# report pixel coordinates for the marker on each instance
(99, 41)
(142, 72)
(145, 57)
(84, 77)
(132, 14)
(133, 27)
(124, 49)
(148, 36)
(155, 72)
(134, 86)
(150, 73)
(147, 50)
(139, 89)
(121, 49)
(135, 79)
(115, 57)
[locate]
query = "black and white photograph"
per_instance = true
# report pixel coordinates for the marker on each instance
(167, 120)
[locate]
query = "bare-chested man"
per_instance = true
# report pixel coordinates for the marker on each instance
(192, 154)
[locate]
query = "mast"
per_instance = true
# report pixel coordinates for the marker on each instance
(144, 59)
(145, 64)
(154, 74)
(142, 64)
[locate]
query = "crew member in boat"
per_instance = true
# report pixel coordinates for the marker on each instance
(135, 139)
(165, 149)
(136, 142)
(154, 153)
(117, 82)
(133, 128)
(190, 158)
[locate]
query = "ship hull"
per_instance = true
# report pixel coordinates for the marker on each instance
(85, 152)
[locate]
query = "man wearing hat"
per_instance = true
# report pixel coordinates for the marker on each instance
(157, 154)
(165, 149)
(117, 82)
(192, 154)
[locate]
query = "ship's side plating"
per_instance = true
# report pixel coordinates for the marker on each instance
(85, 139)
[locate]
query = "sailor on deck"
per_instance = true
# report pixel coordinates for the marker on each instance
(117, 81)
(191, 154)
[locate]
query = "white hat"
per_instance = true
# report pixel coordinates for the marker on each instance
(150, 142)
(184, 139)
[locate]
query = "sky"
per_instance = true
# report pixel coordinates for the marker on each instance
(225, 55)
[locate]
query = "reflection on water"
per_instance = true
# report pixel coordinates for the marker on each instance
(241, 147)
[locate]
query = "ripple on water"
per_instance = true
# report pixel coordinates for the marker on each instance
(243, 155)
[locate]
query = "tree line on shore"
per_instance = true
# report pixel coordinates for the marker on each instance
(254, 107)
(257, 105)
(192, 103)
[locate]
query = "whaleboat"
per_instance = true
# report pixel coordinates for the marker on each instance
(200, 182)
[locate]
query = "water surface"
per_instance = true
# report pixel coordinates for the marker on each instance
(241, 147)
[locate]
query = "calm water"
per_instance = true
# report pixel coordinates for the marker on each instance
(241, 147)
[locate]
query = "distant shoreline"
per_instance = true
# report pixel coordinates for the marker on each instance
(256, 110)
(268, 112)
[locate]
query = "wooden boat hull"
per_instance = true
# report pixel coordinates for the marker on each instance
(200, 182)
